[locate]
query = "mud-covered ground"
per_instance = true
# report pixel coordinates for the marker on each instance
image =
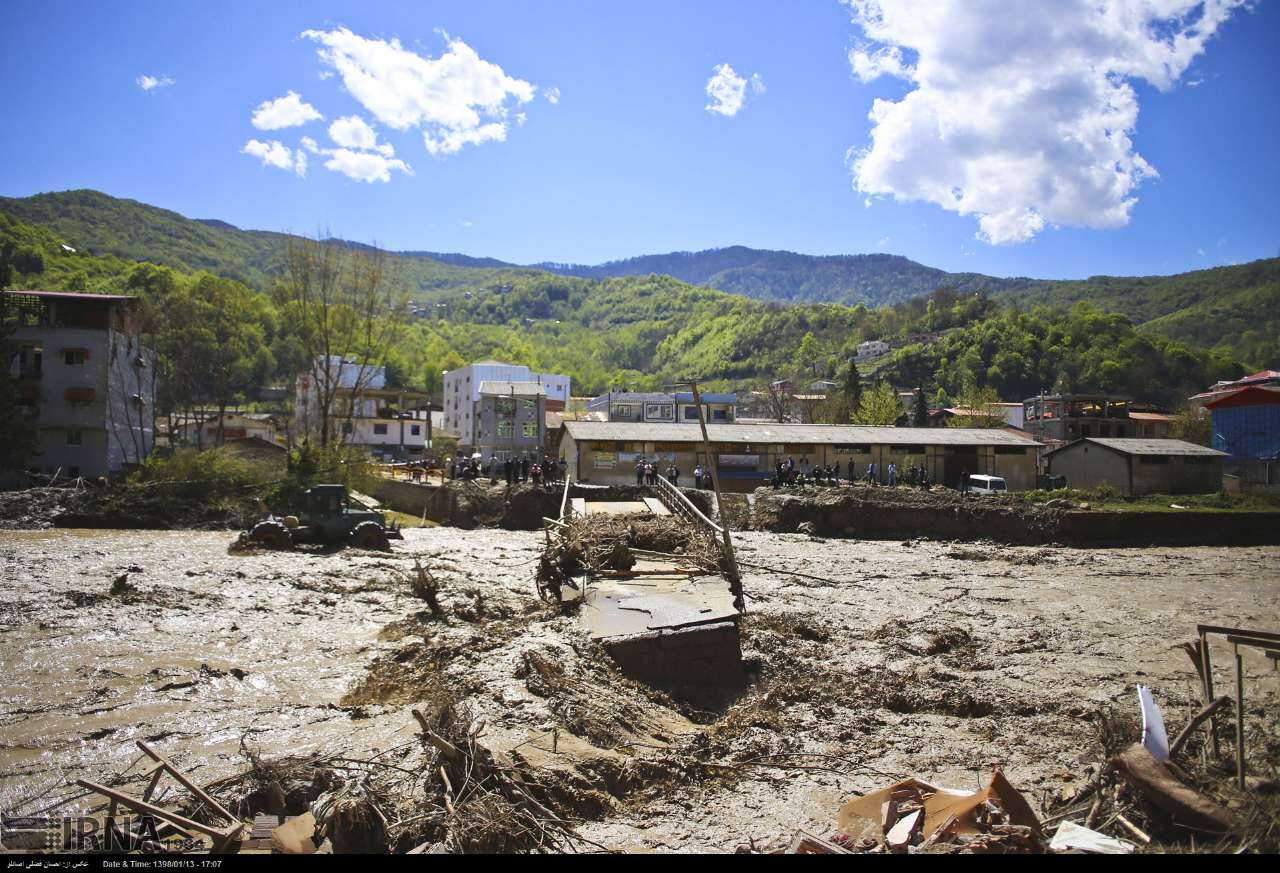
(929, 659)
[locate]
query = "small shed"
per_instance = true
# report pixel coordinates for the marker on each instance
(1138, 466)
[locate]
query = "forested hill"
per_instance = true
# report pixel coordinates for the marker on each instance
(1234, 310)
(789, 277)
(133, 231)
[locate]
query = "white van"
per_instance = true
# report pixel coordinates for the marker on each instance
(987, 485)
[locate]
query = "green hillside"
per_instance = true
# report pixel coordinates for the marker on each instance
(1234, 309)
(1230, 309)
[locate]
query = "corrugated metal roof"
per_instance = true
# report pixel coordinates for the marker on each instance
(519, 389)
(1130, 446)
(815, 434)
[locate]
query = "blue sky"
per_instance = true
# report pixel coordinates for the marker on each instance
(1036, 173)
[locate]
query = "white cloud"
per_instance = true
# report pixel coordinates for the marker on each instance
(276, 154)
(552, 95)
(286, 111)
(353, 132)
(364, 166)
(455, 100)
(728, 90)
(300, 163)
(1020, 120)
(150, 83)
(310, 145)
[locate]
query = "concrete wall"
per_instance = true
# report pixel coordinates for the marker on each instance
(706, 655)
(1089, 466)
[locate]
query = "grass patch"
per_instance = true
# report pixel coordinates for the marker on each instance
(1107, 499)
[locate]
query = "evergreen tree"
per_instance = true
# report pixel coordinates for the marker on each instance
(921, 417)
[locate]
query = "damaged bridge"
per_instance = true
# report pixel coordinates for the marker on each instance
(654, 581)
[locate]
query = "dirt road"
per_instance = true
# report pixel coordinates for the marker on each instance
(931, 659)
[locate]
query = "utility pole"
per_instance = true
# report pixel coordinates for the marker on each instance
(735, 580)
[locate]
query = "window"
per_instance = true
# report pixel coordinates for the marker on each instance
(691, 413)
(346, 427)
(415, 429)
(504, 428)
(505, 405)
(659, 411)
(622, 410)
(1010, 450)
(74, 357)
(719, 415)
(529, 431)
(530, 403)
(380, 429)
(74, 437)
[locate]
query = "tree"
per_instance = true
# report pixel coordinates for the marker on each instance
(1192, 425)
(778, 400)
(852, 389)
(346, 311)
(979, 407)
(920, 417)
(879, 406)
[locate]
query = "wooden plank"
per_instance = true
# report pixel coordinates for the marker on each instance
(185, 782)
(139, 805)
(1154, 781)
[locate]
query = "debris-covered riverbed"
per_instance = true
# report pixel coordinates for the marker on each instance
(886, 660)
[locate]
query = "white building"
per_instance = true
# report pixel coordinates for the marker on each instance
(391, 421)
(462, 391)
(872, 349)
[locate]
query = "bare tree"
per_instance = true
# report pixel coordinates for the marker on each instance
(347, 312)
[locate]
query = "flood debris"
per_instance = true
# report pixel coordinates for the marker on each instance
(596, 544)
(913, 816)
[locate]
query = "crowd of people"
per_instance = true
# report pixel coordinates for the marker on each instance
(540, 470)
(788, 474)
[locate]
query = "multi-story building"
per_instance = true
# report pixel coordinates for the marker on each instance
(664, 407)
(509, 420)
(1062, 418)
(365, 412)
(462, 392)
(84, 377)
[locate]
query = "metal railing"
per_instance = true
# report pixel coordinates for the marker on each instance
(679, 504)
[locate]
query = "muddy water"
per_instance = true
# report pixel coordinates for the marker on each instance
(889, 659)
(203, 649)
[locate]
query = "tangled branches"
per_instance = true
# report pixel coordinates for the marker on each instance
(610, 542)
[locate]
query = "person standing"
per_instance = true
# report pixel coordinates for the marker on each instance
(640, 471)
(563, 467)
(964, 481)
(697, 477)
(493, 470)
(506, 470)
(893, 474)
(675, 475)
(853, 471)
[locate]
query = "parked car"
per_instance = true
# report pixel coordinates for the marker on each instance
(983, 484)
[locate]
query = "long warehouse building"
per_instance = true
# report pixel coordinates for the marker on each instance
(606, 452)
